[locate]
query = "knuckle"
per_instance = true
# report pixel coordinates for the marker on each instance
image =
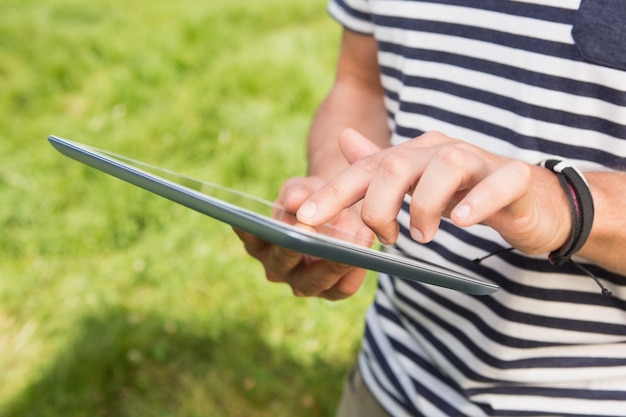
(420, 209)
(346, 289)
(338, 269)
(520, 169)
(335, 295)
(272, 276)
(375, 220)
(298, 292)
(450, 156)
(368, 165)
(395, 163)
(433, 134)
(433, 137)
(334, 190)
(309, 288)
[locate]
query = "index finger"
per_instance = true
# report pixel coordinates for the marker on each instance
(338, 194)
(349, 186)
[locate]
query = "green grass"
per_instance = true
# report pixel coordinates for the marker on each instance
(115, 302)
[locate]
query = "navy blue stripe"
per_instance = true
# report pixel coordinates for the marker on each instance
(352, 12)
(575, 297)
(536, 11)
(539, 12)
(379, 383)
(542, 46)
(521, 261)
(515, 73)
(505, 133)
(603, 395)
(509, 413)
(379, 358)
(535, 264)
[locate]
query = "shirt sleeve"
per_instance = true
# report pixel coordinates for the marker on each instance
(352, 14)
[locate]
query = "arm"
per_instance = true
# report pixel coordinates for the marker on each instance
(606, 245)
(355, 100)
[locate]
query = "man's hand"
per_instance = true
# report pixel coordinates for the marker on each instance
(445, 177)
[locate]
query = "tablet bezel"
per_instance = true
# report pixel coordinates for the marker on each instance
(272, 230)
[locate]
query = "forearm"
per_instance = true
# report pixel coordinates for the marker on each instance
(606, 245)
(355, 100)
(347, 105)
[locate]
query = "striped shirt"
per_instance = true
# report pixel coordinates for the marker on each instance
(527, 79)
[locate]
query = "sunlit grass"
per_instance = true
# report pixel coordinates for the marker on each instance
(115, 302)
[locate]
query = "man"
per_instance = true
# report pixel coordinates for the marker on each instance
(456, 103)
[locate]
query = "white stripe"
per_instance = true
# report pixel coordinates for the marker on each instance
(558, 281)
(563, 4)
(552, 405)
(362, 6)
(485, 19)
(373, 366)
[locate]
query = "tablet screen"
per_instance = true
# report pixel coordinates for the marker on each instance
(270, 211)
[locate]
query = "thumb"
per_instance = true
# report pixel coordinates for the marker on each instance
(355, 146)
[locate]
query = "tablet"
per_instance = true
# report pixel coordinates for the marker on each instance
(262, 219)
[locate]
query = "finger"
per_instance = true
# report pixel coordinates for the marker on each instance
(508, 187)
(318, 277)
(340, 193)
(383, 199)
(253, 245)
(281, 263)
(296, 190)
(355, 146)
(451, 170)
(347, 285)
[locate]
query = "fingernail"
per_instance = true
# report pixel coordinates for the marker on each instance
(463, 212)
(417, 234)
(307, 210)
(382, 240)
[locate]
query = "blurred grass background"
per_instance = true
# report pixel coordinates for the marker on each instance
(115, 302)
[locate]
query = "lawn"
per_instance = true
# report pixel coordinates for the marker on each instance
(113, 301)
